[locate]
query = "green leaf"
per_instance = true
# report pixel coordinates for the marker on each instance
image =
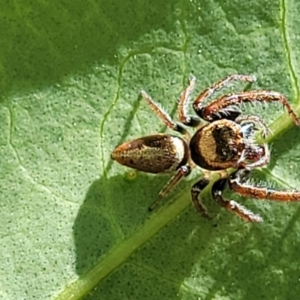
(74, 223)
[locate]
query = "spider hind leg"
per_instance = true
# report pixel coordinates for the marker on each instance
(236, 208)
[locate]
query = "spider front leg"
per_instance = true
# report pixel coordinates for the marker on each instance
(237, 182)
(231, 205)
(180, 173)
(222, 106)
(198, 103)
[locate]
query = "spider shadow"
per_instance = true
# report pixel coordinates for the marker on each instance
(223, 251)
(111, 212)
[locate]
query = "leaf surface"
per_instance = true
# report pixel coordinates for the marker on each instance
(74, 223)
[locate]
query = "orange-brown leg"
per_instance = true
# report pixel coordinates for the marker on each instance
(231, 205)
(217, 86)
(197, 188)
(183, 115)
(180, 173)
(222, 105)
(237, 184)
(164, 116)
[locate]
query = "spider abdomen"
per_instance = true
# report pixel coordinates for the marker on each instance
(158, 153)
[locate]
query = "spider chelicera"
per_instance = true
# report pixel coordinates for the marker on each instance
(226, 140)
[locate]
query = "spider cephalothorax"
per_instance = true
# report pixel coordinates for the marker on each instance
(223, 144)
(225, 141)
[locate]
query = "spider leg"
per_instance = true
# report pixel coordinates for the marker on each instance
(237, 184)
(231, 205)
(180, 173)
(218, 108)
(183, 105)
(197, 188)
(164, 116)
(217, 86)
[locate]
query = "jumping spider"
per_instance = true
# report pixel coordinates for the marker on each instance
(225, 141)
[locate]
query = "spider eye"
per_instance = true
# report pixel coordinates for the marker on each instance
(247, 129)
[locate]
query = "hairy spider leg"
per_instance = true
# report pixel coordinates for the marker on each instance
(180, 173)
(183, 116)
(213, 109)
(183, 171)
(196, 190)
(217, 86)
(231, 205)
(237, 183)
(164, 116)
